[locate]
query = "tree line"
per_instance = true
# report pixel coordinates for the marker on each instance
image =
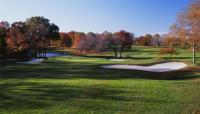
(27, 39)
(91, 42)
(33, 37)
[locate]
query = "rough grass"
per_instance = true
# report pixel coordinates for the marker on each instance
(78, 85)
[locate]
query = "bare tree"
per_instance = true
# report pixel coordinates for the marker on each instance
(156, 40)
(95, 42)
(103, 41)
(88, 43)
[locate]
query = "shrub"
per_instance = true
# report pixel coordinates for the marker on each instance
(168, 51)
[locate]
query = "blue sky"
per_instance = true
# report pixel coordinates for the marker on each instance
(137, 16)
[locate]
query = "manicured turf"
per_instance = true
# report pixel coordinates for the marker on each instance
(78, 85)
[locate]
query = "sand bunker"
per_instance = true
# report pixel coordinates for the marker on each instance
(163, 67)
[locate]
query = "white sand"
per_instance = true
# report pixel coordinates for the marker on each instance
(163, 67)
(117, 60)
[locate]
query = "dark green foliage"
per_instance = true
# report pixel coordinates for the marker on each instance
(40, 32)
(3, 33)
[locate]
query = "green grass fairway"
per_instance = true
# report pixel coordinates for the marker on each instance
(78, 85)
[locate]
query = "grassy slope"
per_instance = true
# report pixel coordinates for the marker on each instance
(78, 85)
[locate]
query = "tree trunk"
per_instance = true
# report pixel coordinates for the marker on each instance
(194, 53)
(35, 53)
(122, 49)
(39, 51)
(42, 52)
(45, 52)
(115, 52)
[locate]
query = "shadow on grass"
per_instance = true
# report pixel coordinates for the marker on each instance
(73, 70)
(181, 58)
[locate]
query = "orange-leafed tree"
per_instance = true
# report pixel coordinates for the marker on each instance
(144, 40)
(189, 22)
(71, 35)
(179, 35)
(168, 51)
(65, 40)
(17, 40)
(169, 40)
(76, 38)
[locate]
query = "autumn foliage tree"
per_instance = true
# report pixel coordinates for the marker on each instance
(169, 41)
(72, 37)
(76, 38)
(188, 26)
(4, 28)
(144, 40)
(40, 32)
(17, 40)
(179, 36)
(64, 41)
(121, 41)
(97, 43)
(22, 38)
